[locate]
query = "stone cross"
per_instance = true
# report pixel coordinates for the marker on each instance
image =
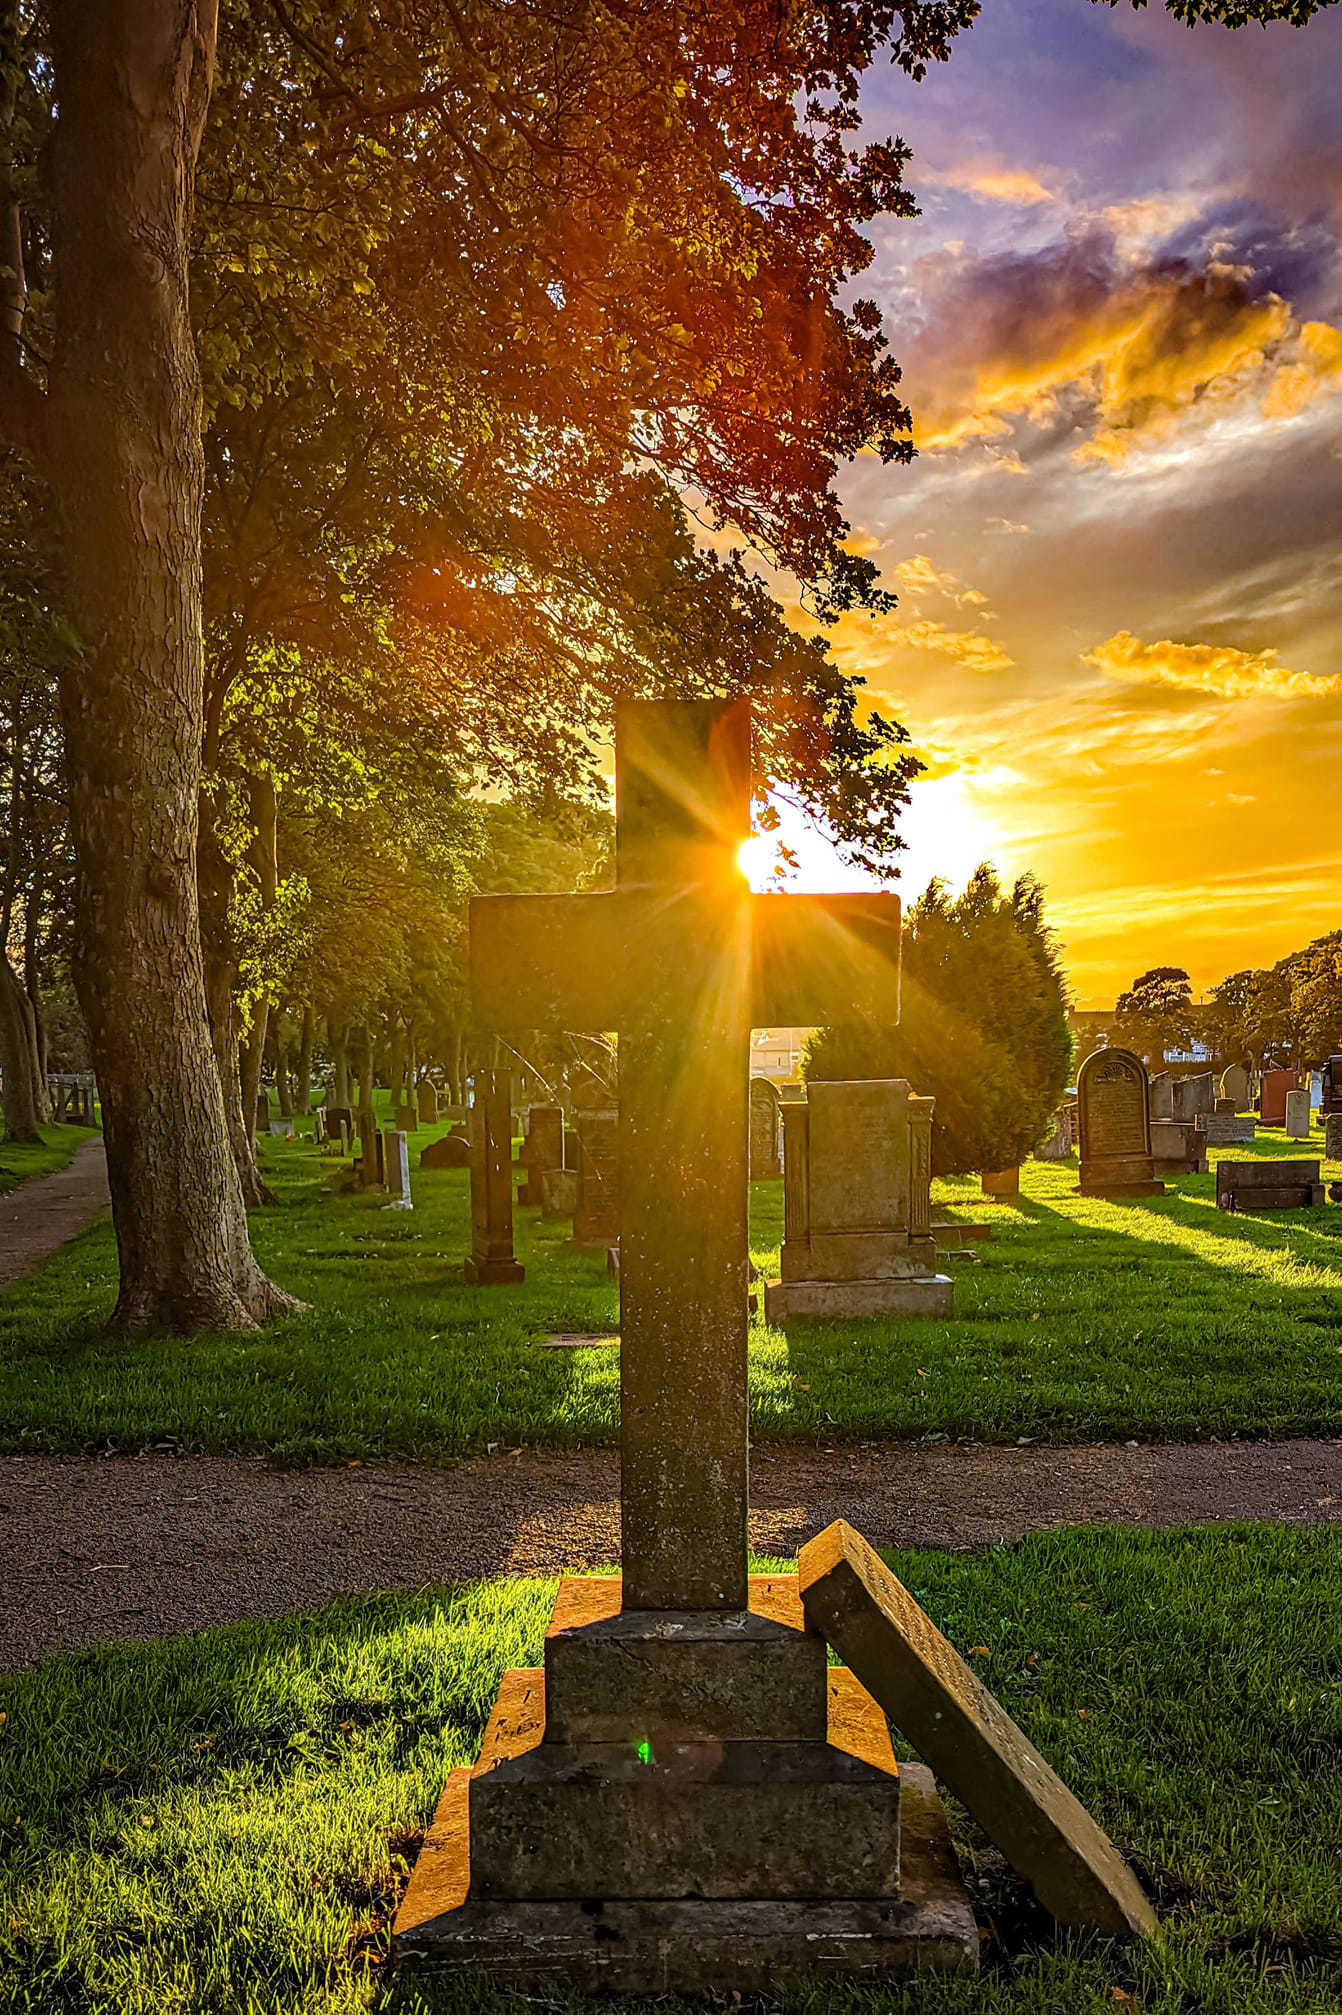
(683, 961)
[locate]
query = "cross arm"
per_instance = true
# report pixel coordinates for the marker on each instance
(824, 958)
(548, 961)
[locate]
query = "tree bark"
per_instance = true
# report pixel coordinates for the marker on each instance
(339, 1066)
(125, 462)
(303, 1089)
(215, 889)
(20, 1103)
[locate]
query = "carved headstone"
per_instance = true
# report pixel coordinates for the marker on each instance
(1160, 1095)
(1000, 1182)
(1332, 1136)
(1115, 1124)
(1225, 1129)
(426, 1102)
(766, 1131)
(857, 1209)
(1297, 1115)
(1330, 1088)
(1178, 1148)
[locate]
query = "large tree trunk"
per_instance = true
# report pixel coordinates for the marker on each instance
(20, 1102)
(132, 81)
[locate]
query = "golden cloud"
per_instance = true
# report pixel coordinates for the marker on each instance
(1206, 668)
(994, 184)
(918, 577)
(969, 648)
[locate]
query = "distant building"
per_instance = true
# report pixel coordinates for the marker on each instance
(776, 1052)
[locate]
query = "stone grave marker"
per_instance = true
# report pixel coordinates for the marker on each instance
(1000, 1182)
(492, 1261)
(542, 1150)
(1330, 1086)
(1268, 1185)
(1159, 1095)
(1225, 1129)
(1178, 1148)
(1296, 1117)
(1332, 1136)
(319, 1126)
(1115, 1127)
(1235, 1085)
(396, 1168)
(766, 1131)
(596, 1215)
(892, 1646)
(426, 1102)
(1272, 1095)
(857, 1205)
(452, 1151)
(407, 1116)
(559, 1194)
(726, 1839)
(370, 1150)
(1192, 1096)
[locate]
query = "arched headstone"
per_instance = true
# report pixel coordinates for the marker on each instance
(766, 1131)
(1115, 1119)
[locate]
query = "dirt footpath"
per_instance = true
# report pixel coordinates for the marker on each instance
(51, 1209)
(140, 1546)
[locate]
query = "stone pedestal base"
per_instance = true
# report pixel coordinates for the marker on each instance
(685, 1802)
(682, 1945)
(492, 1272)
(933, 1294)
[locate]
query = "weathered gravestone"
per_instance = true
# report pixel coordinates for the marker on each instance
(542, 1150)
(1225, 1129)
(671, 1804)
(396, 1169)
(596, 1215)
(1296, 1118)
(1330, 1087)
(492, 1261)
(559, 1193)
(1268, 1185)
(1272, 1095)
(336, 1117)
(853, 1601)
(370, 1150)
(766, 1131)
(1115, 1126)
(1000, 1182)
(407, 1116)
(1160, 1095)
(319, 1126)
(1062, 1138)
(1235, 1085)
(1332, 1136)
(1192, 1096)
(1178, 1148)
(857, 1205)
(452, 1151)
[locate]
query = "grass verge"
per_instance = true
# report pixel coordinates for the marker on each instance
(1082, 1320)
(224, 1823)
(19, 1163)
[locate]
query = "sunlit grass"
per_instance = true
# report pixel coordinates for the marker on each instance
(20, 1163)
(1081, 1319)
(224, 1823)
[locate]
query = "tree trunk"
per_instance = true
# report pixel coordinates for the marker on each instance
(215, 882)
(21, 1112)
(279, 1056)
(303, 1089)
(132, 81)
(340, 1067)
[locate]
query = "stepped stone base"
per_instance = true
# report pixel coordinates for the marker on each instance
(492, 1272)
(682, 1945)
(782, 1848)
(932, 1294)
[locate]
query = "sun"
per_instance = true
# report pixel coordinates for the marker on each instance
(945, 833)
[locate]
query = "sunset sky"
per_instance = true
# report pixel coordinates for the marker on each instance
(1119, 554)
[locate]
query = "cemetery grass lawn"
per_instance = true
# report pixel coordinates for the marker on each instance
(20, 1163)
(224, 1822)
(1081, 1320)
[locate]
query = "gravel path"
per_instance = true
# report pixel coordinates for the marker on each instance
(140, 1546)
(42, 1214)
